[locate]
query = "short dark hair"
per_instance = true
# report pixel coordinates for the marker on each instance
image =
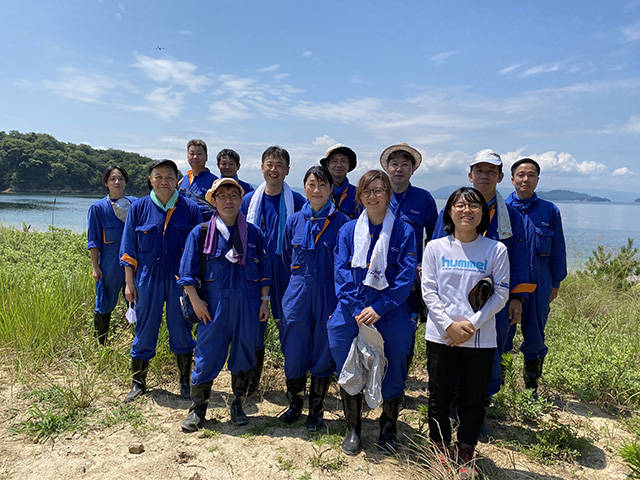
(276, 152)
(471, 195)
(228, 153)
(196, 142)
(321, 173)
(515, 166)
(111, 168)
(401, 154)
(369, 177)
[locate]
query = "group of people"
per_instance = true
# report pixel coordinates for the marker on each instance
(342, 260)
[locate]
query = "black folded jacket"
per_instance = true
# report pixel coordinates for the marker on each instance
(479, 294)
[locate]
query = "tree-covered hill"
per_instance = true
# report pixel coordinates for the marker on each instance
(37, 162)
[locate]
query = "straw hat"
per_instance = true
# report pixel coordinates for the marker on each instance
(219, 183)
(384, 157)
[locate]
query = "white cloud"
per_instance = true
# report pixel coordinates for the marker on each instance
(270, 68)
(230, 109)
(446, 162)
(561, 163)
(632, 126)
(173, 72)
(324, 141)
(538, 69)
(510, 69)
(307, 53)
(440, 58)
(631, 33)
(163, 102)
(622, 172)
(186, 33)
(79, 85)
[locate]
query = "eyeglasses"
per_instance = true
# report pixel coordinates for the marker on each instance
(459, 207)
(234, 197)
(378, 192)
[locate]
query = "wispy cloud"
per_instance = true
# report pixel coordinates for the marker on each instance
(186, 33)
(440, 58)
(270, 68)
(172, 72)
(543, 68)
(631, 33)
(510, 69)
(82, 86)
(163, 102)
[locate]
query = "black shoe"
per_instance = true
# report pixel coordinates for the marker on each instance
(139, 369)
(184, 367)
(352, 405)
(101, 326)
(256, 373)
(388, 426)
(239, 385)
(317, 393)
(197, 411)
(295, 391)
(532, 372)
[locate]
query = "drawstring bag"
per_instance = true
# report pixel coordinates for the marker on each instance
(185, 302)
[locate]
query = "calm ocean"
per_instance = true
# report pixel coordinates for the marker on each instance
(586, 225)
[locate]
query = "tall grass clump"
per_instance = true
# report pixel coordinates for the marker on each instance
(592, 332)
(46, 291)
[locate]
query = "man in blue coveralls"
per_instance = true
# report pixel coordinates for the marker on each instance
(154, 236)
(415, 206)
(548, 263)
(507, 226)
(340, 160)
(229, 164)
(268, 208)
(198, 180)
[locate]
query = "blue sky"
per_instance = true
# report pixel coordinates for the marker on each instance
(558, 81)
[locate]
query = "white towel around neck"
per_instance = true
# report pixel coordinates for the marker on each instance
(504, 222)
(375, 277)
(253, 212)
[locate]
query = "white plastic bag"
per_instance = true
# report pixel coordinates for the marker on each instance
(131, 314)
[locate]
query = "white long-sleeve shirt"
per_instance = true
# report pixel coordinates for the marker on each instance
(450, 270)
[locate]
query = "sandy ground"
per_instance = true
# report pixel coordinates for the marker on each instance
(263, 449)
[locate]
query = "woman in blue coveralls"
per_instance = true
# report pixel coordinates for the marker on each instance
(235, 299)
(105, 224)
(156, 229)
(309, 240)
(375, 267)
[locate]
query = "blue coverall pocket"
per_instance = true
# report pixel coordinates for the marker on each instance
(543, 241)
(145, 235)
(111, 233)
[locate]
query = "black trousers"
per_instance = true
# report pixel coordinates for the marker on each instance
(470, 370)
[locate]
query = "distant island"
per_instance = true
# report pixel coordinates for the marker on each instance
(569, 196)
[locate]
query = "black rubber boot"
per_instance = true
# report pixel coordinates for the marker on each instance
(352, 405)
(532, 372)
(101, 326)
(256, 372)
(239, 385)
(184, 367)
(317, 392)
(295, 394)
(199, 402)
(388, 425)
(139, 369)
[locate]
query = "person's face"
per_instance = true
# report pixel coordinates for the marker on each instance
(228, 167)
(163, 180)
(375, 197)
(274, 170)
(525, 180)
(197, 157)
(400, 171)
(485, 176)
(116, 184)
(338, 166)
(227, 201)
(317, 192)
(465, 214)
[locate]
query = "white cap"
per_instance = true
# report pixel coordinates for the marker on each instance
(486, 156)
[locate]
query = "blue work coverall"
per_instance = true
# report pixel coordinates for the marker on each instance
(310, 297)
(152, 244)
(395, 323)
(232, 293)
(104, 232)
(246, 187)
(548, 267)
(269, 221)
(195, 188)
(519, 285)
(344, 198)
